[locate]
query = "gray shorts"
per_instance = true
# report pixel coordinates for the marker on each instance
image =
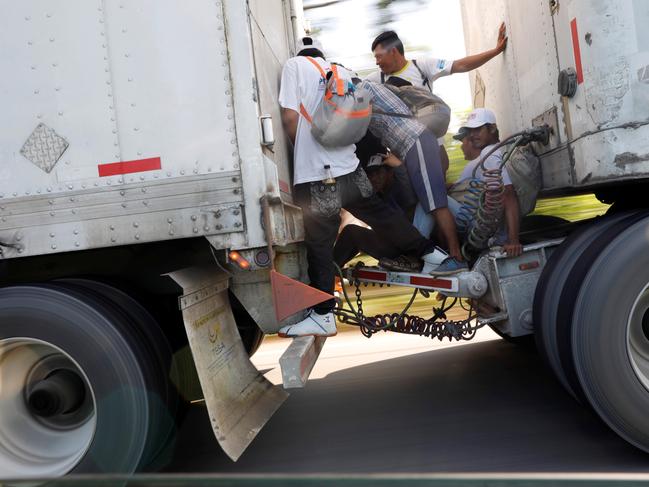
(425, 171)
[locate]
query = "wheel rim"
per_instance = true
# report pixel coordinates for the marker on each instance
(638, 337)
(47, 410)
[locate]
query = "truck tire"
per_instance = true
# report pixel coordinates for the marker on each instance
(571, 289)
(158, 360)
(76, 373)
(552, 286)
(610, 335)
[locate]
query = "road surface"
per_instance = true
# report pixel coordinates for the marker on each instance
(398, 403)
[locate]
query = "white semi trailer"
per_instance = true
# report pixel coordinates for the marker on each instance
(136, 153)
(145, 184)
(582, 68)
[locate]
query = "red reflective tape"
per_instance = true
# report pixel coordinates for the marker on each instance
(374, 276)
(431, 282)
(530, 265)
(284, 186)
(127, 167)
(577, 51)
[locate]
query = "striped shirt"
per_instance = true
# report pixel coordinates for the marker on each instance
(397, 133)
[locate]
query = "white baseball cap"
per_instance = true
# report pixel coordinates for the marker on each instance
(308, 43)
(478, 118)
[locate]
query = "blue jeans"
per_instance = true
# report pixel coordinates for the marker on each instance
(424, 221)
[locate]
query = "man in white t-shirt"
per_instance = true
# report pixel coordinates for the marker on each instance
(390, 57)
(478, 136)
(327, 180)
(481, 130)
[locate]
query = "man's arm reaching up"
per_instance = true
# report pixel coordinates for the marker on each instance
(470, 63)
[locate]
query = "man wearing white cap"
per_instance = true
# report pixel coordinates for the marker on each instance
(479, 134)
(482, 131)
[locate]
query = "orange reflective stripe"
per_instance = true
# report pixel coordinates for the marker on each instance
(317, 65)
(357, 114)
(350, 114)
(304, 113)
(340, 88)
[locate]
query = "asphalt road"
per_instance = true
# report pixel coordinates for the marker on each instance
(397, 403)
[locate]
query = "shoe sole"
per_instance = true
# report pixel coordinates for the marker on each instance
(284, 335)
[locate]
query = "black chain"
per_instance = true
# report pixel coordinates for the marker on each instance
(359, 298)
(438, 326)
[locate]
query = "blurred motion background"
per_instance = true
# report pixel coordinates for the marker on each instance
(428, 28)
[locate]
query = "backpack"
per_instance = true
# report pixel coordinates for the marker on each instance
(524, 169)
(430, 110)
(343, 115)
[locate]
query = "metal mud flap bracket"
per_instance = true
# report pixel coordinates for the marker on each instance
(239, 399)
(508, 303)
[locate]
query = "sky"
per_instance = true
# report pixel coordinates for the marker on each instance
(427, 27)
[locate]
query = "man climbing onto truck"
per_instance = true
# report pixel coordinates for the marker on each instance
(411, 142)
(328, 179)
(390, 57)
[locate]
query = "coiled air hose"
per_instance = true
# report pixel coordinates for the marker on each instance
(482, 210)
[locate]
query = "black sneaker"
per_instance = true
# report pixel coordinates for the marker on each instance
(402, 263)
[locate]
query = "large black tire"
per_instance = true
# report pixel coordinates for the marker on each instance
(99, 340)
(571, 291)
(610, 334)
(158, 363)
(555, 295)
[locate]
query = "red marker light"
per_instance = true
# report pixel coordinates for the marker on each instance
(530, 265)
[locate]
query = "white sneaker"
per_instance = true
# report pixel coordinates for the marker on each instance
(433, 260)
(313, 325)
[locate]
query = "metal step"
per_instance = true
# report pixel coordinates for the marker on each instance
(298, 360)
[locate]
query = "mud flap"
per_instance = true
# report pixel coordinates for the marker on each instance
(239, 399)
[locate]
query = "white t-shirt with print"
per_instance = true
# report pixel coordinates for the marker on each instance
(493, 162)
(302, 83)
(432, 68)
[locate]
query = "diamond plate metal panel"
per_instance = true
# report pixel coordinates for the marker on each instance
(44, 147)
